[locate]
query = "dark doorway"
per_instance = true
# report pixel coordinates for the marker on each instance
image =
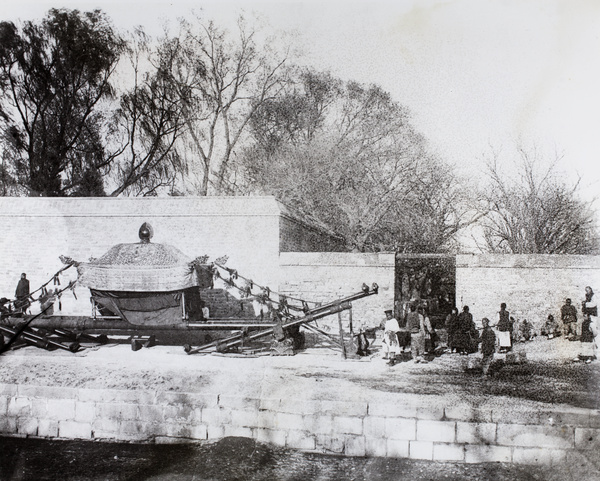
(428, 280)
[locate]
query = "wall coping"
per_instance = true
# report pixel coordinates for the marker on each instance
(527, 261)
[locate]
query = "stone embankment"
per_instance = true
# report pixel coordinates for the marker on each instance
(309, 402)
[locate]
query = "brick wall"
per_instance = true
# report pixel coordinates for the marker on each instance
(532, 286)
(381, 426)
(327, 276)
(35, 231)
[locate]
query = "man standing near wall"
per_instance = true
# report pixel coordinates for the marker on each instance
(415, 325)
(390, 338)
(568, 316)
(589, 329)
(22, 294)
(588, 307)
(504, 329)
(488, 345)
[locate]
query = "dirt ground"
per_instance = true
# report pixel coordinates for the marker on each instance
(549, 377)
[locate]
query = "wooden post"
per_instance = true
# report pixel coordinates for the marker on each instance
(342, 335)
(353, 339)
(351, 327)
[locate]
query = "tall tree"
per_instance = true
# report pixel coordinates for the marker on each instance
(226, 78)
(53, 76)
(347, 155)
(533, 210)
(150, 119)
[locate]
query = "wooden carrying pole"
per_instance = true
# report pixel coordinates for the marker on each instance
(311, 317)
(314, 314)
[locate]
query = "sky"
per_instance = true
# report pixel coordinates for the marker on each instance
(478, 75)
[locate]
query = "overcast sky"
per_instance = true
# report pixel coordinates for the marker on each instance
(475, 73)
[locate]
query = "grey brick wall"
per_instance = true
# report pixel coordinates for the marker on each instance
(327, 276)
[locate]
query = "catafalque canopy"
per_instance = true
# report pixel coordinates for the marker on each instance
(144, 282)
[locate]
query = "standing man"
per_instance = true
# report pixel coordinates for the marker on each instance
(430, 335)
(589, 328)
(415, 325)
(390, 338)
(589, 306)
(568, 316)
(488, 345)
(467, 337)
(452, 329)
(504, 329)
(22, 294)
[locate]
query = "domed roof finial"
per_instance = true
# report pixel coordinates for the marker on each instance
(146, 232)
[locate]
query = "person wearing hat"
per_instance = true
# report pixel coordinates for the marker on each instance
(488, 345)
(22, 294)
(589, 328)
(505, 329)
(390, 338)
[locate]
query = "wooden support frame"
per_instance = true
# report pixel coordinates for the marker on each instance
(344, 354)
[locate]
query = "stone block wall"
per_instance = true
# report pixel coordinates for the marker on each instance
(379, 427)
(327, 276)
(532, 286)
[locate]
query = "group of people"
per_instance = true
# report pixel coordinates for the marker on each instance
(22, 300)
(465, 338)
(573, 328)
(419, 333)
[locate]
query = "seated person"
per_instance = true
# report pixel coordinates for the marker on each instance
(5, 309)
(526, 330)
(551, 328)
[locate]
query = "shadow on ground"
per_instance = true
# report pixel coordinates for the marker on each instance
(242, 459)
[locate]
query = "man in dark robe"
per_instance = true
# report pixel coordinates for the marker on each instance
(22, 294)
(452, 329)
(488, 345)
(505, 329)
(590, 317)
(466, 339)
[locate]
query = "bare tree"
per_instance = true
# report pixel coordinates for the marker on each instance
(347, 155)
(535, 211)
(149, 121)
(238, 76)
